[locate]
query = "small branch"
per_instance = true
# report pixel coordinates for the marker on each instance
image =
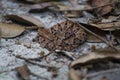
(88, 9)
(99, 37)
(31, 28)
(102, 72)
(39, 58)
(100, 6)
(67, 54)
(33, 63)
(6, 71)
(38, 76)
(94, 34)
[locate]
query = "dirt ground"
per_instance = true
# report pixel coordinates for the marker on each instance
(9, 47)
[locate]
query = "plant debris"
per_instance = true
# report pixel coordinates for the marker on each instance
(26, 19)
(87, 65)
(11, 30)
(102, 10)
(24, 72)
(108, 26)
(96, 56)
(38, 1)
(81, 39)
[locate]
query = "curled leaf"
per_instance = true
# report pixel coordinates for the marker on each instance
(11, 30)
(39, 7)
(99, 55)
(102, 10)
(26, 19)
(24, 72)
(74, 75)
(37, 1)
(108, 26)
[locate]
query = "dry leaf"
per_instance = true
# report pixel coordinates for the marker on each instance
(91, 38)
(107, 26)
(24, 72)
(63, 8)
(26, 19)
(11, 30)
(63, 36)
(38, 1)
(74, 75)
(110, 19)
(39, 7)
(117, 8)
(98, 55)
(102, 10)
(99, 32)
(74, 3)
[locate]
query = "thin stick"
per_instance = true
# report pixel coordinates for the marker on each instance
(100, 6)
(32, 28)
(72, 9)
(39, 58)
(94, 34)
(102, 72)
(67, 54)
(4, 71)
(98, 37)
(38, 76)
(33, 63)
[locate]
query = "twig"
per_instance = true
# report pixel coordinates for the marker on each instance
(94, 34)
(99, 37)
(38, 76)
(6, 71)
(33, 63)
(67, 54)
(100, 6)
(39, 58)
(73, 9)
(102, 72)
(32, 28)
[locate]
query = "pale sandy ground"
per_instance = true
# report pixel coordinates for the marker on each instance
(9, 47)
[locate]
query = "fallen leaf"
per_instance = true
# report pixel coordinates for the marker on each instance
(74, 75)
(26, 19)
(60, 7)
(39, 7)
(117, 8)
(110, 19)
(107, 26)
(98, 55)
(11, 30)
(96, 30)
(74, 3)
(102, 10)
(24, 72)
(38, 1)
(105, 75)
(91, 38)
(62, 36)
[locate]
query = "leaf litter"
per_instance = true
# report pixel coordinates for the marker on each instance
(63, 37)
